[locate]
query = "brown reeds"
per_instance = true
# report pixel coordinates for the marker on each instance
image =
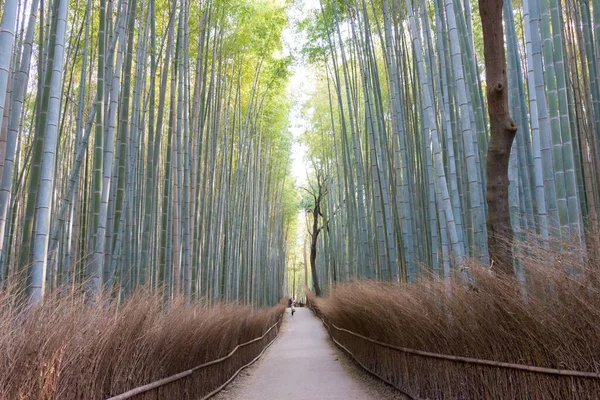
(63, 349)
(549, 319)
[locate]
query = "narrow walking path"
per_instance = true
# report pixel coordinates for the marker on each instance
(303, 364)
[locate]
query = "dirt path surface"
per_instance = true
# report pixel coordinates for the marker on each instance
(303, 364)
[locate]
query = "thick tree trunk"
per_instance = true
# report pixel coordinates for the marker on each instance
(313, 248)
(294, 282)
(502, 133)
(305, 264)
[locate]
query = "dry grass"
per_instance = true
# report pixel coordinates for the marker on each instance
(554, 323)
(66, 350)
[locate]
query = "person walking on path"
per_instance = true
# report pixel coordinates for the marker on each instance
(293, 309)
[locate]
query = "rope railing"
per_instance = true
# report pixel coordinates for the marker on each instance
(469, 360)
(217, 390)
(447, 357)
(363, 366)
(156, 384)
(400, 389)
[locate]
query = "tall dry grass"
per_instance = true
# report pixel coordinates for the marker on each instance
(552, 319)
(64, 349)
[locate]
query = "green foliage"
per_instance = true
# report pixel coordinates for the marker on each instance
(212, 174)
(306, 203)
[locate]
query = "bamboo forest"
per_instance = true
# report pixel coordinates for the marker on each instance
(178, 178)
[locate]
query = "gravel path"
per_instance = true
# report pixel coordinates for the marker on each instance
(304, 364)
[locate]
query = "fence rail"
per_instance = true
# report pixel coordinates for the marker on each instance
(469, 360)
(446, 357)
(156, 384)
(363, 366)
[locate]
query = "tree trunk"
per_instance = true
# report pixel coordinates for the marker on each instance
(7, 39)
(313, 248)
(37, 278)
(502, 133)
(294, 281)
(305, 263)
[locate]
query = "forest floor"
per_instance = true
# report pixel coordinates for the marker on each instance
(304, 364)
